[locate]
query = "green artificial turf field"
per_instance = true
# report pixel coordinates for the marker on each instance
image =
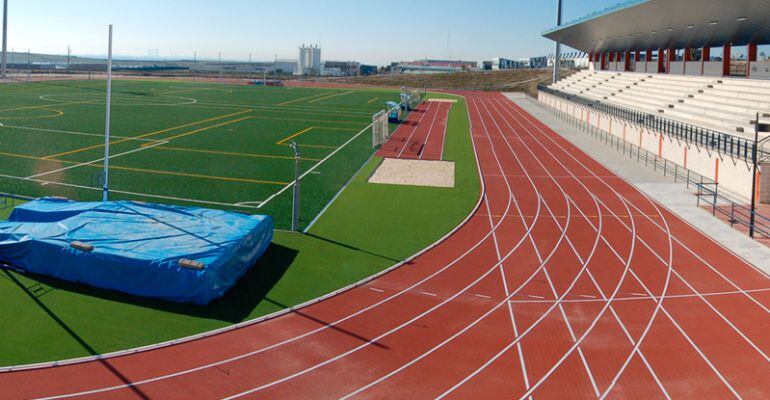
(204, 144)
(356, 237)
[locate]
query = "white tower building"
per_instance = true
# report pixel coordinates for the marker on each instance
(309, 60)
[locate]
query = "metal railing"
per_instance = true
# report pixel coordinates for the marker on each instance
(724, 143)
(707, 189)
(9, 200)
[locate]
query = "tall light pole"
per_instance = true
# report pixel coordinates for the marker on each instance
(106, 187)
(557, 56)
(5, 40)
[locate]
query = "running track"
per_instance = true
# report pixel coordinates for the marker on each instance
(422, 135)
(565, 282)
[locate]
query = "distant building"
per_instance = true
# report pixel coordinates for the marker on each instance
(341, 68)
(366, 70)
(574, 59)
(285, 67)
(538, 62)
(432, 66)
(497, 64)
(309, 60)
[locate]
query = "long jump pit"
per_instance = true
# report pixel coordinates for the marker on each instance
(408, 172)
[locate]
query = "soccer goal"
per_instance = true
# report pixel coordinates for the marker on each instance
(380, 129)
(412, 97)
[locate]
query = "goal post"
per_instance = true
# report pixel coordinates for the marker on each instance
(380, 129)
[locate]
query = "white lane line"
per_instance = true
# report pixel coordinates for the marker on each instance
(657, 255)
(504, 301)
(27, 128)
(585, 296)
(430, 131)
(414, 129)
(670, 268)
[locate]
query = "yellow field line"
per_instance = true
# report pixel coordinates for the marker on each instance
(228, 153)
(189, 175)
(205, 128)
(153, 171)
(292, 136)
(336, 128)
(41, 106)
(320, 121)
(332, 96)
(319, 146)
(372, 100)
(96, 146)
(286, 103)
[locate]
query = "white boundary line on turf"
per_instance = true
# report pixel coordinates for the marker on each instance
(83, 164)
(318, 164)
(154, 196)
(274, 315)
(72, 132)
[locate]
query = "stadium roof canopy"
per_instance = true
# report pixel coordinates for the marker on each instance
(667, 24)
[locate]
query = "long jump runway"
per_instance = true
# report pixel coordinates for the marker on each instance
(566, 282)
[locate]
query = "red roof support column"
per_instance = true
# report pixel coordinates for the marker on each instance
(705, 56)
(726, 50)
(647, 57)
(752, 58)
(627, 66)
(671, 54)
(661, 58)
(604, 61)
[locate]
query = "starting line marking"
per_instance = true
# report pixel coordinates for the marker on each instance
(377, 290)
(483, 296)
(429, 294)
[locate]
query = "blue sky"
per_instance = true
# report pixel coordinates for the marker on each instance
(372, 31)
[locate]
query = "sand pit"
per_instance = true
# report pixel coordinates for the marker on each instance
(415, 173)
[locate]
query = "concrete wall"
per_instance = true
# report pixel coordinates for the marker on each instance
(677, 68)
(712, 68)
(733, 174)
(692, 68)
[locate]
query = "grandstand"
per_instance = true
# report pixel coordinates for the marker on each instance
(681, 70)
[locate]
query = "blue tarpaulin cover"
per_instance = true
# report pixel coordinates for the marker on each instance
(137, 247)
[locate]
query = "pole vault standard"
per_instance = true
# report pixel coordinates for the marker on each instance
(5, 39)
(557, 56)
(106, 187)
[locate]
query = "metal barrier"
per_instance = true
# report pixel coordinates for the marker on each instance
(10, 200)
(722, 142)
(707, 190)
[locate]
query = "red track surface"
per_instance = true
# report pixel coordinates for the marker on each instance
(566, 282)
(421, 136)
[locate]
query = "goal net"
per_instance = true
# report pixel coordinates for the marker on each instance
(412, 97)
(380, 129)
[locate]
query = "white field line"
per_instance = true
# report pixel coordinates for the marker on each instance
(671, 238)
(337, 195)
(95, 161)
(72, 185)
(409, 322)
(506, 299)
(414, 129)
(430, 131)
(313, 168)
(279, 313)
(73, 133)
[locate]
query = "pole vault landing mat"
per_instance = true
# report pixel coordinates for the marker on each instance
(181, 254)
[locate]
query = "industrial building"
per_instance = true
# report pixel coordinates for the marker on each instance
(309, 60)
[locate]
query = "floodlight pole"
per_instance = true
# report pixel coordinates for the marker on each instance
(295, 202)
(557, 56)
(106, 187)
(5, 40)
